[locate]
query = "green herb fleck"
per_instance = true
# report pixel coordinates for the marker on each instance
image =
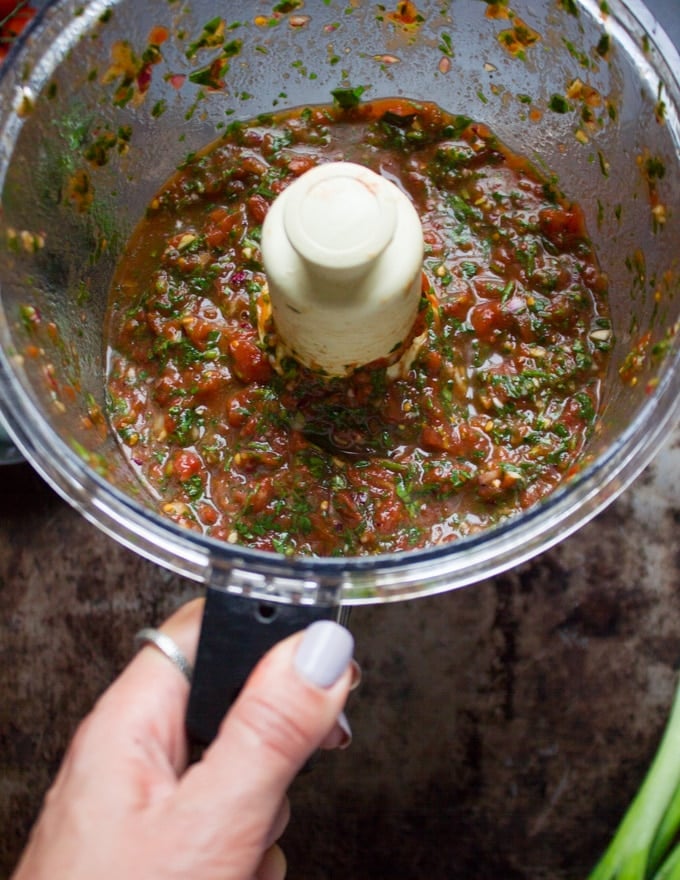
(446, 45)
(559, 104)
(348, 97)
(604, 46)
(569, 6)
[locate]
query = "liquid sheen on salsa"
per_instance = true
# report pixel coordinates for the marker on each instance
(484, 410)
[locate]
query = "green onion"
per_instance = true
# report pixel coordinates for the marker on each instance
(642, 848)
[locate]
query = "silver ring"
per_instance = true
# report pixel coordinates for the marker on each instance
(150, 636)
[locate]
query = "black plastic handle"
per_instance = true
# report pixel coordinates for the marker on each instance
(235, 633)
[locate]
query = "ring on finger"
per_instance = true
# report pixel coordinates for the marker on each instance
(163, 642)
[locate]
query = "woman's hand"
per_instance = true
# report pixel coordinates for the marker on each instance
(124, 804)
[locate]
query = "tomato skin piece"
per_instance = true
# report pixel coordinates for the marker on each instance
(209, 383)
(250, 363)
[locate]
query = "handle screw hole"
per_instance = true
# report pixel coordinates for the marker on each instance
(266, 613)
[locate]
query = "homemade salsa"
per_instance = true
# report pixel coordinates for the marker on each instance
(487, 408)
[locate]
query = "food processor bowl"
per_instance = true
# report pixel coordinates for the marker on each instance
(102, 100)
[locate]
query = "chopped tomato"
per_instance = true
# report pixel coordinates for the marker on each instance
(250, 362)
(185, 465)
(489, 320)
(219, 228)
(297, 165)
(388, 514)
(261, 496)
(13, 23)
(564, 227)
(257, 207)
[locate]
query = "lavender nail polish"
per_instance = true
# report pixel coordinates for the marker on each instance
(324, 653)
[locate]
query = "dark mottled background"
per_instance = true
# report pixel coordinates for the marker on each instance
(500, 730)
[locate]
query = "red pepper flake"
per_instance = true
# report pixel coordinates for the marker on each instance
(176, 80)
(144, 78)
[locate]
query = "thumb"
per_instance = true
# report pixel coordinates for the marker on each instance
(288, 707)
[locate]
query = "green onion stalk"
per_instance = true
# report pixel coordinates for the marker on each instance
(646, 845)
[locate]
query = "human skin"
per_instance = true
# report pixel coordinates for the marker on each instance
(125, 803)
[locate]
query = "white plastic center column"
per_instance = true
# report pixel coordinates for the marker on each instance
(343, 251)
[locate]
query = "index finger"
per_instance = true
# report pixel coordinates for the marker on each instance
(141, 714)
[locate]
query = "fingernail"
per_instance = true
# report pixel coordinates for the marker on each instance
(356, 676)
(324, 653)
(343, 724)
(340, 736)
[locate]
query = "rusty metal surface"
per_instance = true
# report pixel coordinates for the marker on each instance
(500, 731)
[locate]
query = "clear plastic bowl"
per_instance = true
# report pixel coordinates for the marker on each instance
(79, 75)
